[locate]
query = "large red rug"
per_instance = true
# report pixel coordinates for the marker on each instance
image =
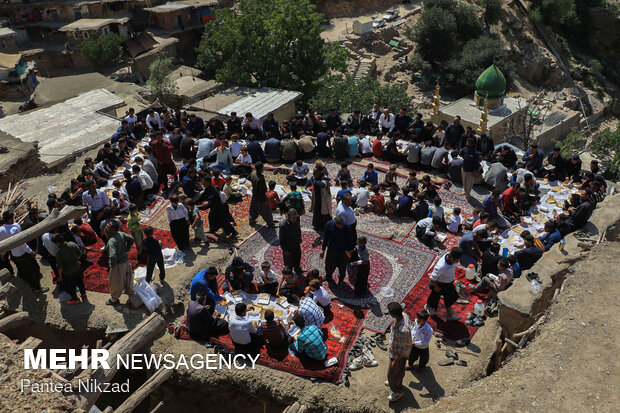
(394, 268)
(96, 274)
(347, 321)
(416, 299)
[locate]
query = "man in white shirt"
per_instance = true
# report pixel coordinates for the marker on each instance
(362, 195)
(95, 199)
(366, 147)
(345, 210)
(178, 218)
(426, 229)
(243, 333)
(421, 335)
(442, 284)
(145, 180)
(251, 126)
(386, 121)
(153, 121)
(24, 258)
(131, 118)
(413, 153)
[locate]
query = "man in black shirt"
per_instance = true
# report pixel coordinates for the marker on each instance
(579, 216)
(187, 148)
(215, 127)
(234, 124)
(528, 256)
(341, 145)
(391, 152)
(201, 324)
(401, 123)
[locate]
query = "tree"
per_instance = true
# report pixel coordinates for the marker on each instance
(348, 94)
(557, 13)
(101, 49)
(468, 23)
(434, 33)
(160, 83)
(606, 146)
(492, 10)
(274, 43)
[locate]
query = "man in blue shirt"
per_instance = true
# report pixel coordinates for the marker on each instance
(371, 176)
(206, 280)
(255, 150)
(405, 202)
(270, 124)
(354, 146)
(310, 341)
(553, 235)
(272, 149)
(339, 242)
(471, 166)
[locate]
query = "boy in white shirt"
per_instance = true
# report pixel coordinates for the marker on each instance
(454, 224)
(268, 280)
(319, 294)
(361, 200)
(235, 146)
(421, 335)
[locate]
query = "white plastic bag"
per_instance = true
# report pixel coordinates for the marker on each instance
(148, 295)
(387, 292)
(535, 287)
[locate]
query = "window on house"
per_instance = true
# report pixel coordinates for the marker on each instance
(86, 36)
(76, 34)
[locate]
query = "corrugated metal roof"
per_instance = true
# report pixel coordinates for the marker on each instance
(167, 7)
(261, 101)
(92, 24)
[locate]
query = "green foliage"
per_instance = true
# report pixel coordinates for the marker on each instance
(478, 54)
(101, 49)
(160, 83)
(468, 23)
(607, 146)
(492, 10)
(574, 142)
(434, 33)
(418, 64)
(556, 13)
(348, 95)
(273, 43)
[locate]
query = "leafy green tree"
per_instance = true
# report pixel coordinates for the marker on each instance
(160, 83)
(347, 95)
(101, 49)
(434, 33)
(492, 10)
(274, 43)
(469, 26)
(575, 141)
(606, 146)
(557, 13)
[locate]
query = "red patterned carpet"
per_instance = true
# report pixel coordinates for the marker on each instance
(394, 271)
(347, 321)
(416, 299)
(96, 274)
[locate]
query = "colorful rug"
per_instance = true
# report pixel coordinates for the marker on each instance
(347, 321)
(451, 200)
(416, 299)
(394, 268)
(96, 274)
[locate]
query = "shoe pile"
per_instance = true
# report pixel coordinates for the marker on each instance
(361, 355)
(474, 320)
(533, 276)
(490, 307)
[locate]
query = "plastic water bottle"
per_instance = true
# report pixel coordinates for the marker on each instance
(479, 308)
(470, 272)
(562, 244)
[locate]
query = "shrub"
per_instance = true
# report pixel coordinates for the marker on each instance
(492, 10)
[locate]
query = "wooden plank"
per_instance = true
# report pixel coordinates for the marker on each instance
(7, 290)
(145, 390)
(31, 343)
(14, 320)
(4, 274)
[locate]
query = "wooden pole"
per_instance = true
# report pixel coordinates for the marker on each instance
(498, 354)
(145, 390)
(53, 220)
(129, 344)
(7, 290)
(158, 407)
(14, 320)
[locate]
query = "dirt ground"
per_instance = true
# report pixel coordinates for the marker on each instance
(572, 366)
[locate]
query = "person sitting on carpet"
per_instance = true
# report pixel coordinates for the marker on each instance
(421, 208)
(495, 283)
(309, 342)
(238, 275)
(553, 235)
(437, 210)
(442, 284)
(232, 194)
(344, 174)
(490, 258)
(454, 223)
(246, 338)
(370, 175)
(405, 202)
(412, 183)
(363, 195)
(319, 294)
(290, 284)
(389, 181)
(472, 254)
(528, 255)
(428, 188)
(377, 200)
(274, 332)
(268, 279)
(202, 323)
(206, 280)
(313, 314)
(426, 229)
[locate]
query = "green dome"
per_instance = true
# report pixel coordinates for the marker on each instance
(491, 83)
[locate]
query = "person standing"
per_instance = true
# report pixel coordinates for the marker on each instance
(178, 219)
(321, 203)
(259, 204)
(121, 274)
(399, 350)
(289, 235)
(471, 166)
(155, 256)
(217, 210)
(421, 335)
(339, 242)
(24, 258)
(442, 284)
(345, 210)
(162, 151)
(68, 265)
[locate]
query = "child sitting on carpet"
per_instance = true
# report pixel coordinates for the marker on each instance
(412, 183)
(268, 280)
(217, 180)
(437, 210)
(389, 181)
(290, 284)
(196, 221)
(361, 200)
(121, 206)
(294, 200)
(377, 200)
(514, 266)
(469, 222)
(371, 176)
(272, 196)
(313, 274)
(232, 195)
(428, 188)
(454, 223)
(345, 190)
(274, 333)
(319, 294)
(392, 206)
(344, 174)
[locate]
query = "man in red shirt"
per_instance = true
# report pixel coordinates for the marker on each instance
(512, 200)
(162, 151)
(272, 196)
(377, 148)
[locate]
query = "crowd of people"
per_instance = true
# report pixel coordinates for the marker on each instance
(215, 150)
